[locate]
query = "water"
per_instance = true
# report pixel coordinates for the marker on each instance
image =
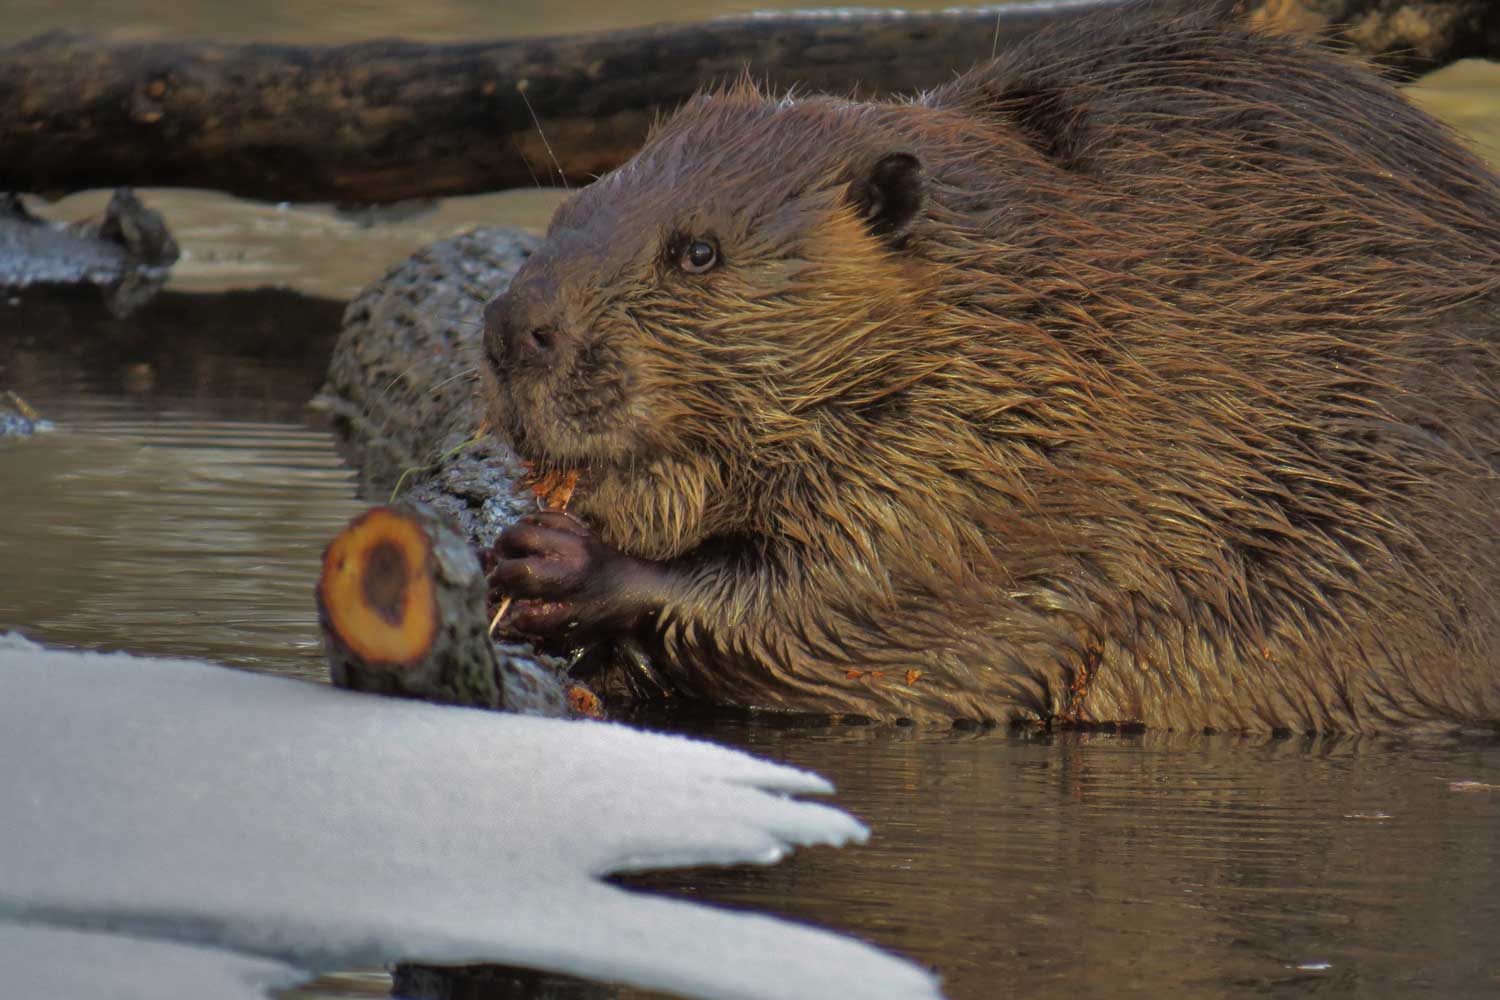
(182, 506)
(357, 20)
(1151, 865)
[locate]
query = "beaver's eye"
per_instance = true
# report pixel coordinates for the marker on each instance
(698, 256)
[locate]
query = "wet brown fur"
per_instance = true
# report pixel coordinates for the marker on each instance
(1178, 401)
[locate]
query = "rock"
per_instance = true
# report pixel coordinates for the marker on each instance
(127, 254)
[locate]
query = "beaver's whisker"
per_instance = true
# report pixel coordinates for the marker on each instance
(521, 89)
(397, 378)
(469, 373)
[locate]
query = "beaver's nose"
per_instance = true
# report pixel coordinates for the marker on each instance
(518, 332)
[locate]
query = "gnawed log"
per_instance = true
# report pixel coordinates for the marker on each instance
(390, 120)
(401, 390)
(401, 605)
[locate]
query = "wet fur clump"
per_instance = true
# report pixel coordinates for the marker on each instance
(1148, 374)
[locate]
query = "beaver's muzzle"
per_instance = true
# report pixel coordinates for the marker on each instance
(522, 331)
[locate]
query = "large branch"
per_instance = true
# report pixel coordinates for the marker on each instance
(384, 121)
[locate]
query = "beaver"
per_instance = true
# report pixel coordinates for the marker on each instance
(1146, 375)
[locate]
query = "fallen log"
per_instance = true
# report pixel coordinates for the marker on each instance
(390, 120)
(387, 120)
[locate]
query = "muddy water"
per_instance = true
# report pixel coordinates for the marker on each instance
(1152, 865)
(181, 506)
(356, 20)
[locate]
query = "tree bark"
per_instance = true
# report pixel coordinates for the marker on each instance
(389, 120)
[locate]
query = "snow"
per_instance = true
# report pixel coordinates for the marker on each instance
(46, 962)
(324, 829)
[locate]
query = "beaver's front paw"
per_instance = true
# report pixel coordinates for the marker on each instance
(568, 584)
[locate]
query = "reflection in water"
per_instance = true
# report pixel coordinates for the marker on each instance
(232, 515)
(1139, 865)
(1150, 864)
(182, 505)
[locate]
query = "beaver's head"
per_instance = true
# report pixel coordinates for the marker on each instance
(697, 307)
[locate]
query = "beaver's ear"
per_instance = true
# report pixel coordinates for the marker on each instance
(890, 194)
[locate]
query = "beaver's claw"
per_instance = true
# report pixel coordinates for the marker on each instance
(567, 583)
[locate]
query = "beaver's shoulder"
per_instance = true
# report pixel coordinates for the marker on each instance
(1093, 97)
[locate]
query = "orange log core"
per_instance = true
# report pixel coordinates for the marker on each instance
(376, 591)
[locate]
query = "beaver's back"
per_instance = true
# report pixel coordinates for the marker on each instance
(1282, 283)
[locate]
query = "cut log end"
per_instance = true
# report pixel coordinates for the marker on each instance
(401, 604)
(376, 593)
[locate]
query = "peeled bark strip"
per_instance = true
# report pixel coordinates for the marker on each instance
(401, 605)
